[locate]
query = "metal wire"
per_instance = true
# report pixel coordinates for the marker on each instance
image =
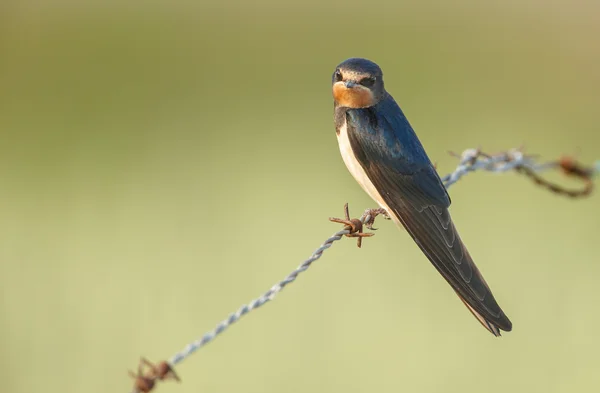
(259, 301)
(471, 160)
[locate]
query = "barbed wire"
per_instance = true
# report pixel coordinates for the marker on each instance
(470, 160)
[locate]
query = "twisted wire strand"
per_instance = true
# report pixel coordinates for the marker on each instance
(258, 302)
(471, 160)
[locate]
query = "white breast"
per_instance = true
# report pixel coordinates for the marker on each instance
(356, 169)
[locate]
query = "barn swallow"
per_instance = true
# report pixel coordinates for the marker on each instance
(385, 156)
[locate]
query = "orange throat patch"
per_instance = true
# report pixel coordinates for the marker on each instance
(354, 97)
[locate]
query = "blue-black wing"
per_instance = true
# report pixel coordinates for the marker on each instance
(387, 148)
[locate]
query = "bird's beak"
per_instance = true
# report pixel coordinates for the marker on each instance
(350, 84)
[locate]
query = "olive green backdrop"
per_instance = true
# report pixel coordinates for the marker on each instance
(163, 162)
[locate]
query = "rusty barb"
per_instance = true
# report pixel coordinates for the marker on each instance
(571, 168)
(470, 160)
(473, 159)
(354, 226)
(144, 381)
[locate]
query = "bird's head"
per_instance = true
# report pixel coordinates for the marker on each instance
(357, 83)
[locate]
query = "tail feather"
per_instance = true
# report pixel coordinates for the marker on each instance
(486, 324)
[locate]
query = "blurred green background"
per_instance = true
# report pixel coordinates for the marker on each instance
(163, 162)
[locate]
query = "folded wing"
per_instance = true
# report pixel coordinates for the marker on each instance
(417, 198)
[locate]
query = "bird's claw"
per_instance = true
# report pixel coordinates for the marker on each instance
(370, 215)
(354, 226)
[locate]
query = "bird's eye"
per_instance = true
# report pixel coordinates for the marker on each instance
(338, 76)
(367, 82)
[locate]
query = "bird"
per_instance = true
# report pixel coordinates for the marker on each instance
(384, 155)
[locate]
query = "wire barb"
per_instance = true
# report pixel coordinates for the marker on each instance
(354, 226)
(144, 382)
(470, 160)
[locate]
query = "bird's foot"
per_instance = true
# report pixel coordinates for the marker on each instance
(354, 226)
(370, 215)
